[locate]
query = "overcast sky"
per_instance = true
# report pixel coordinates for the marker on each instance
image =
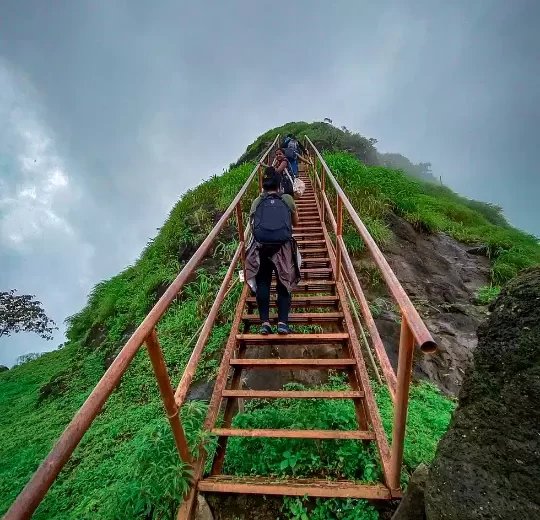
(110, 110)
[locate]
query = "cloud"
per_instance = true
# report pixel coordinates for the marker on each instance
(29, 204)
(124, 106)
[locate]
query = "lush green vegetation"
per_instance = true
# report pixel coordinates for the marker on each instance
(429, 415)
(38, 398)
(126, 466)
(487, 294)
(324, 136)
(375, 191)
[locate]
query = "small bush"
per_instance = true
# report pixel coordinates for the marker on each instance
(487, 294)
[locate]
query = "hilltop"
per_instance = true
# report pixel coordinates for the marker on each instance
(126, 466)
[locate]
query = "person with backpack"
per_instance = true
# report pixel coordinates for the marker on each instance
(273, 249)
(284, 170)
(293, 150)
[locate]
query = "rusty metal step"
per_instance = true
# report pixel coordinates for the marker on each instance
(311, 286)
(306, 318)
(360, 435)
(316, 260)
(316, 272)
(306, 243)
(304, 301)
(292, 364)
(293, 487)
(318, 338)
(314, 250)
(294, 394)
(300, 236)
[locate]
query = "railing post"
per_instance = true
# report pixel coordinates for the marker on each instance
(241, 236)
(167, 395)
(260, 178)
(339, 234)
(323, 189)
(406, 348)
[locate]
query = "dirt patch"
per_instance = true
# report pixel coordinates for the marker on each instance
(441, 277)
(244, 507)
(95, 337)
(489, 460)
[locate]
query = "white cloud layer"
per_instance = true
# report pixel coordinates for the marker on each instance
(109, 111)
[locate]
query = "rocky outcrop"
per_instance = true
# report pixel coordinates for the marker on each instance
(488, 464)
(442, 278)
(412, 505)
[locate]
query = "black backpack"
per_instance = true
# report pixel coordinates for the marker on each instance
(290, 153)
(272, 222)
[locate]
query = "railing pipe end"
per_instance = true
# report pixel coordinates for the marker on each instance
(428, 347)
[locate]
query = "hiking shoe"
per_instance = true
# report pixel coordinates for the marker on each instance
(282, 328)
(266, 329)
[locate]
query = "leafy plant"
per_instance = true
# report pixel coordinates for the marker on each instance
(23, 313)
(330, 509)
(487, 294)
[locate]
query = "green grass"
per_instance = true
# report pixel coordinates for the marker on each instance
(374, 191)
(429, 416)
(487, 294)
(126, 466)
(33, 416)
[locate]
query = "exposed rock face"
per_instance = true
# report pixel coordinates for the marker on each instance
(203, 509)
(412, 506)
(488, 463)
(441, 278)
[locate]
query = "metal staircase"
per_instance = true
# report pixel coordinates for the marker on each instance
(323, 298)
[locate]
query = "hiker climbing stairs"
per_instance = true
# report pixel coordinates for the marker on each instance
(324, 319)
(317, 292)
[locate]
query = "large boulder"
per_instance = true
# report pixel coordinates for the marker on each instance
(488, 463)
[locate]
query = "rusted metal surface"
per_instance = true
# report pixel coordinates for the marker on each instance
(294, 394)
(186, 508)
(419, 330)
(384, 362)
(313, 283)
(329, 213)
(228, 415)
(339, 234)
(191, 367)
(306, 301)
(296, 434)
(371, 408)
(359, 326)
(302, 317)
(292, 364)
(167, 395)
(294, 338)
(406, 349)
(293, 487)
(34, 491)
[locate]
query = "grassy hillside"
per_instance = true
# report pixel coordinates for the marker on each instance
(126, 466)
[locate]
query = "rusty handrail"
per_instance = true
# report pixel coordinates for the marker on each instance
(32, 494)
(419, 330)
(413, 328)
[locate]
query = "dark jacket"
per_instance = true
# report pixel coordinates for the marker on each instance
(286, 259)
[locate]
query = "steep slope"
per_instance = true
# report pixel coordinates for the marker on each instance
(126, 465)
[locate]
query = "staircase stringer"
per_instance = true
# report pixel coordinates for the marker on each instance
(185, 510)
(362, 375)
